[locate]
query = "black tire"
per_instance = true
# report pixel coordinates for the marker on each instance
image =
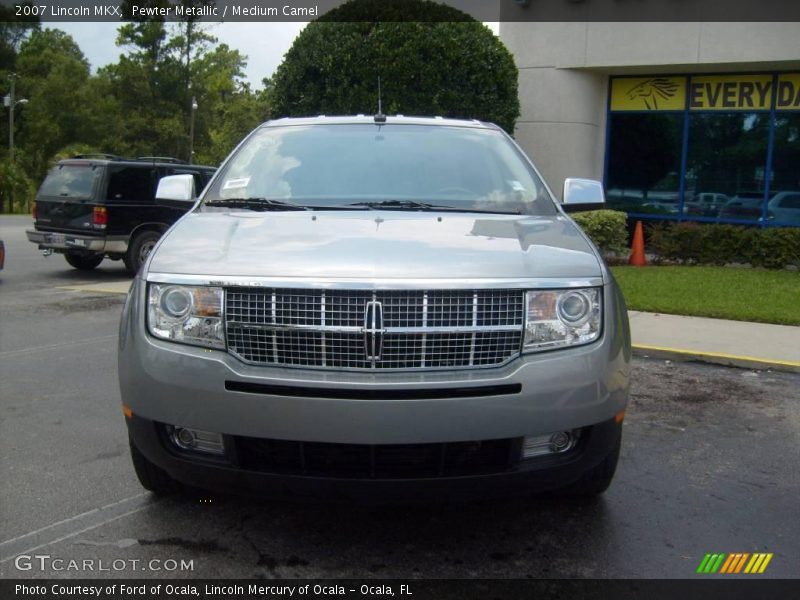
(153, 478)
(83, 262)
(138, 250)
(597, 479)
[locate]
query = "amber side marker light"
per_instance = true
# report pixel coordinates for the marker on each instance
(619, 416)
(126, 410)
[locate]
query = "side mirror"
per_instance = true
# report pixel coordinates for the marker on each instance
(583, 194)
(176, 190)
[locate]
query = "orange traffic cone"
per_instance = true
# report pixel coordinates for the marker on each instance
(637, 258)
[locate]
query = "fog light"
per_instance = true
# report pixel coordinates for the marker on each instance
(184, 437)
(559, 441)
(550, 443)
(197, 440)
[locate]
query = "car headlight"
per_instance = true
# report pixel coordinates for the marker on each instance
(557, 318)
(187, 314)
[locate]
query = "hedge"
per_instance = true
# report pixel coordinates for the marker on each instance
(432, 59)
(606, 228)
(718, 244)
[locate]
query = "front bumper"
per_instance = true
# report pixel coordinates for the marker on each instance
(63, 242)
(520, 477)
(211, 390)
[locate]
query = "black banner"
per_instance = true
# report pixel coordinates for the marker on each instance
(482, 10)
(734, 588)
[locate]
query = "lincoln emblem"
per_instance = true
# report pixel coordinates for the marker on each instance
(373, 330)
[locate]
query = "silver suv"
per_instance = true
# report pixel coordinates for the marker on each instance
(391, 306)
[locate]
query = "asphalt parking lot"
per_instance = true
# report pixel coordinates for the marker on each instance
(710, 463)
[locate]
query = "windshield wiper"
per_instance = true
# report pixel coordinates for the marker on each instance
(255, 204)
(265, 204)
(396, 204)
(416, 205)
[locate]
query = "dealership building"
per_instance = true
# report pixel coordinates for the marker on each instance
(680, 120)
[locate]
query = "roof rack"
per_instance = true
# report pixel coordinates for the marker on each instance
(100, 155)
(166, 159)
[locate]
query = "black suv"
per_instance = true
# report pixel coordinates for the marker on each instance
(95, 206)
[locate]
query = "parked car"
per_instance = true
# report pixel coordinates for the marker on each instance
(784, 207)
(705, 204)
(660, 208)
(390, 306)
(747, 206)
(661, 202)
(101, 206)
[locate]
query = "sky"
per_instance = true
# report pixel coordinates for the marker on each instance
(264, 44)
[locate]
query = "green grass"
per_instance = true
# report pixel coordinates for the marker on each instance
(720, 292)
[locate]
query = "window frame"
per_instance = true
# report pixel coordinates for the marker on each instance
(773, 113)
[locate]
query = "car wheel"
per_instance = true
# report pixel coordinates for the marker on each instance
(597, 479)
(152, 478)
(140, 248)
(83, 262)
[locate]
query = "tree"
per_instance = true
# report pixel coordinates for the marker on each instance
(52, 75)
(13, 30)
(16, 188)
(140, 105)
(432, 60)
(164, 69)
(228, 108)
(149, 86)
(191, 40)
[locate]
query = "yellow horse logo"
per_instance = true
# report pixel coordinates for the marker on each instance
(651, 90)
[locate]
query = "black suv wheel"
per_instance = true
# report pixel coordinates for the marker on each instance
(139, 249)
(83, 262)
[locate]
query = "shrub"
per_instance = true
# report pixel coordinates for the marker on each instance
(16, 188)
(719, 244)
(776, 247)
(606, 228)
(432, 60)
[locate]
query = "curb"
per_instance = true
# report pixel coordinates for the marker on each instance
(728, 360)
(111, 287)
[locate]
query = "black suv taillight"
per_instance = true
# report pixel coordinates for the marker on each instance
(100, 216)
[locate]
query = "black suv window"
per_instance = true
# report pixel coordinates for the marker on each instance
(132, 183)
(70, 180)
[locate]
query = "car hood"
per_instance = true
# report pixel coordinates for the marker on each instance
(375, 245)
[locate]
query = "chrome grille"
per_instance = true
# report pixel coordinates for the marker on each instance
(360, 329)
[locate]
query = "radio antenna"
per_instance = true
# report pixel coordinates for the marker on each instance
(380, 117)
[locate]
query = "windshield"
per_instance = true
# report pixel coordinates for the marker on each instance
(70, 181)
(393, 166)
